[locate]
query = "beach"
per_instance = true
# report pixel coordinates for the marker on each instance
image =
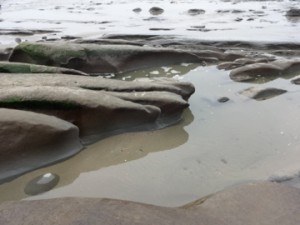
(240, 125)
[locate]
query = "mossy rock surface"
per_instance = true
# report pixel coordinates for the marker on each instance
(93, 58)
(10, 67)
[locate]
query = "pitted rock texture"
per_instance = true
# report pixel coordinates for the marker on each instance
(29, 140)
(256, 203)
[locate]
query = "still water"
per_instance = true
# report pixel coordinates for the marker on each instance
(215, 145)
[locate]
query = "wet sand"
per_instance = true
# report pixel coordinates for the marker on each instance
(221, 20)
(216, 145)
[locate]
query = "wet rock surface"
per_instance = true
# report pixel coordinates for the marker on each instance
(30, 140)
(293, 12)
(41, 184)
(184, 89)
(10, 67)
(92, 111)
(98, 58)
(194, 12)
(266, 71)
(261, 94)
(156, 10)
(256, 203)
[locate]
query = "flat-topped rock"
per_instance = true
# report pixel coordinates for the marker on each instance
(30, 140)
(263, 72)
(257, 203)
(93, 58)
(261, 94)
(184, 89)
(11, 67)
(92, 111)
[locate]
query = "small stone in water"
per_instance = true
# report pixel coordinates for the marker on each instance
(194, 12)
(156, 11)
(41, 184)
(137, 10)
(223, 99)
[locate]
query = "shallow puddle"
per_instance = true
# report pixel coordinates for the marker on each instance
(216, 145)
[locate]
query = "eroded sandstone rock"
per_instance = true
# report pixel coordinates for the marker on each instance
(92, 58)
(184, 89)
(255, 203)
(11, 67)
(93, 112)
(261, 94)
(263, 72)
(29, 140)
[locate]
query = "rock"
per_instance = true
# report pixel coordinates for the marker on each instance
(293, 12)
(24, 32)
(137, 10)
(5, 53)
(96, 105)
(92, 58)
(10, 67)
(296, 81)
(194, 12)
(256, 203)
(166, 101)
(262, 72)
(262, 94)
(41, 184)
(69, 37)
(156, 11)
(223, 99)
(29, 141)
(241, 62)
(94, 112)
(162, 29)
(184, 89)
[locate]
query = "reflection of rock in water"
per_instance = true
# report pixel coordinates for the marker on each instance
(165, 71)
(41, 184)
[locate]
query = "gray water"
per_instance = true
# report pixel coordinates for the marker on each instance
(216, 145)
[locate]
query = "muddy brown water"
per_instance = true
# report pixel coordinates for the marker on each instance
(214, 146)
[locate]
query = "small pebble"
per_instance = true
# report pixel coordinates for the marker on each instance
(156, 11)
(41, 184)
(223, 99)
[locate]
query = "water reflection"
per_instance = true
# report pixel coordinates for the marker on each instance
(111, 151)
(164, 71)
